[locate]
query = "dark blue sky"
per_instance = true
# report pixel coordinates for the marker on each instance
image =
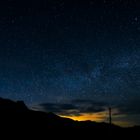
(60, 52)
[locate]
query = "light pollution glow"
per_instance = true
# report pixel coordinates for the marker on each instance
(100, 117)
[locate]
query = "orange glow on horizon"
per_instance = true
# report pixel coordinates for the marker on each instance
(98, 117)
(101, 117)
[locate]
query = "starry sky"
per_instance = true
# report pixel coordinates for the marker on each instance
(73, 58)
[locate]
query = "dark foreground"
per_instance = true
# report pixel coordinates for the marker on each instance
(17, 119)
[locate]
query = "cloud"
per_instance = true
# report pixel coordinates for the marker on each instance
(130, 108)
(78, 107)
(126, 114)
(74, 108)
(91, 102)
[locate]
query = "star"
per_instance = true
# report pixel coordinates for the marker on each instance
(136, 19)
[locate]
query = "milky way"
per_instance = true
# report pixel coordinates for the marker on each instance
(60, 52)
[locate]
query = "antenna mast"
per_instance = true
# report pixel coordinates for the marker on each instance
(110, 116)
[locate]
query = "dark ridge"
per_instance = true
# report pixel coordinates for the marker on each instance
(16, 116)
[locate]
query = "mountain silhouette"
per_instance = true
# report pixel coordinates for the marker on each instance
(7, 105)
(18, 115)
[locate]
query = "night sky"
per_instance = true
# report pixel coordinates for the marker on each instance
(73, 58)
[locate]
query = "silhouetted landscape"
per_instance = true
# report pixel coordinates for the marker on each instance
(70, 68)
(17, 115)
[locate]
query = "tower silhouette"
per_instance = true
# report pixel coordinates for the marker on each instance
(110, 115)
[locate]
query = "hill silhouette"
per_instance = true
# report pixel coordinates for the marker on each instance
(17, 115)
